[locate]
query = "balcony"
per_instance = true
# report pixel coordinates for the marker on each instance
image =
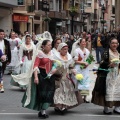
(59, 15)
(31, 8)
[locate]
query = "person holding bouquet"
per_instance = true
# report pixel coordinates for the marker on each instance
(65, 96)
(106, 92)
(82, 58)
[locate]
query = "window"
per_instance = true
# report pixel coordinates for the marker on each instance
(89, 4)
(51, 4)
(113, 9)
(20, 2)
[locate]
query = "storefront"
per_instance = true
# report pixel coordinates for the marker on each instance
(21, 23)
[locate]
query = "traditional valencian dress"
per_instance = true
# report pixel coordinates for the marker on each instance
(26, 57)
(84, 85)
(65, 92)
(14, 54)
(39, 97)
(107, 87)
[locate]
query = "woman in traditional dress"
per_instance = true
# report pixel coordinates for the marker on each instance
(14, 52)
(56, 42)
(42, 86)
(106, 92)
(80, 53)
(26, 52)
(65, 96)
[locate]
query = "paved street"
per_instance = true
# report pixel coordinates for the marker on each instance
(10, 107)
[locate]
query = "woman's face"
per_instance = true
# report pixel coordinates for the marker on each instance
(57, 43)
(13, 35)
(64, 51)
(114, 44)
(83, 43)
(47, 47)
(28, 40)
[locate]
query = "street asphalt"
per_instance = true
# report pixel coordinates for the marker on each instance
(11, 109)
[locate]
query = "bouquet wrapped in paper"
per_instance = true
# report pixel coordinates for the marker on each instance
(56, 64)
(89, 60)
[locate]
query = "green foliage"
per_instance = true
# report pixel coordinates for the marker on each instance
(73, 9)
(47, 19)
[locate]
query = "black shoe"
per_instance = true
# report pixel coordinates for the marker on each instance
(107, 113)
(39, 114)
(44, 116)
(63, 111)
(57, 110)
(116, 112)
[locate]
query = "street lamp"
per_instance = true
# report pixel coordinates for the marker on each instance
(45, 7)
(103, 12)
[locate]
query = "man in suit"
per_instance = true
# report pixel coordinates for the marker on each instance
(99, 44)
(5, 47)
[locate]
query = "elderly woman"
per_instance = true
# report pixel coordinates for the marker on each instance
(106, 92)
(40, 87)
(65, 96)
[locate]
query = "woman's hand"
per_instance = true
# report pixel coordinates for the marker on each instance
(36, 81)
(53, 71)
(3, 57)
(85, 64)
(112, 65)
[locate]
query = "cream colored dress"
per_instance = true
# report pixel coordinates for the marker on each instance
(65, 93)
(113, 81)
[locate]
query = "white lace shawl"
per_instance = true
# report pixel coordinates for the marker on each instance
(78, 52)
(65, 63)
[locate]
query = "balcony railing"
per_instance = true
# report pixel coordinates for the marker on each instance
(55, 14)
(31, 8)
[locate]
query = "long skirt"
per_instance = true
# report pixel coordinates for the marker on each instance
(42, 93)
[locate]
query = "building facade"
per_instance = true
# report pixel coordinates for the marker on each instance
(6, 14)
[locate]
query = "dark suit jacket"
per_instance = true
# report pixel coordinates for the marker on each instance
(7, 50)
(8, 53)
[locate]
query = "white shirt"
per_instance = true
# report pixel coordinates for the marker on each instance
(2, 46)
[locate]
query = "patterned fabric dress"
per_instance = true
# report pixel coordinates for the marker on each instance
(65, 93)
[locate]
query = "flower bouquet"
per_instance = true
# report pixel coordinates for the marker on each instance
(89, 60)
(56, 64)
(115, 60)
(79, 77)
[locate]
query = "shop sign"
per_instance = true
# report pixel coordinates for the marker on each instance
(20, 18)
